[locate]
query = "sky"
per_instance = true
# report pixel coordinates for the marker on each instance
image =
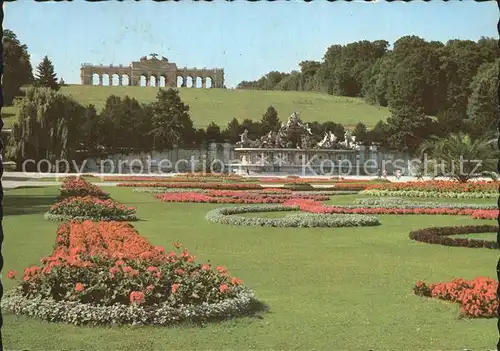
(247, 39)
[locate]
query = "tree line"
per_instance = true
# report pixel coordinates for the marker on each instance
(430, 87)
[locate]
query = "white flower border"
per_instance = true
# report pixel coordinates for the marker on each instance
(244, 304)
(227, 215)
(61, 218)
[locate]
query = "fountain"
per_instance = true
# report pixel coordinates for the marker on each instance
(293, 149)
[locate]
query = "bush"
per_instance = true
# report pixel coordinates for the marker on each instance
(299, 187)
(440, 236)
(105, 272)
(227, 215)
(77, 186)
(90, 207)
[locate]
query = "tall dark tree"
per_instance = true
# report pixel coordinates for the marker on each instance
(232, 131)
(17, 70)
(170, 120)
(213, 133)
(483, 102)
(45, 75)
(360, 132)
(270, 120)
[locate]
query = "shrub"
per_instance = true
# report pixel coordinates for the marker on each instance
(299, 186)
(90, 207)
(227, 215)
(477, 297)
(105, 272)
(77, 186)
(440, 236)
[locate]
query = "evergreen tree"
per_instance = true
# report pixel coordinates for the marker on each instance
(171, 121)
(270, 120)
(45, 76)
(232, 131)
(360, 132)
(213, 133)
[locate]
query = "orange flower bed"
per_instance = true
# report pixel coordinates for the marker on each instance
(235, 197)
(110, 263)
(477, 298)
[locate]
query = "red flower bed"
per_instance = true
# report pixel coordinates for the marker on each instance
(439, 186)
(195, 185)
(76, 186)
(232, 197)
(106, 263)
(317, 207)
(485, 214)
(477, 297)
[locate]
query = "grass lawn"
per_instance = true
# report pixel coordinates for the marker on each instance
(222, 105)
(327, 289)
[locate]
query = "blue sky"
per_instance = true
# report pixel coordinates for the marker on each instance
(246, 39)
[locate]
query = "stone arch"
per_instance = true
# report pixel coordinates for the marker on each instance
(153, 81)
(198, 82)
(115, 79)
(125, 79)
(143, 80)
(96, 78)
(209, 82)
(106, 79)
(189, 82)
(180, 82)
(162, 81)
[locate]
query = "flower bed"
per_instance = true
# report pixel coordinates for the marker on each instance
(106, 273)
(401, 203)
(90, 207)
(477, 297)
(77, 186)
(195, 185)
(485, 214)
(440, 236)
(234, 197)
(438, 194)
(411, 209)
(440, 186)
(227, 215)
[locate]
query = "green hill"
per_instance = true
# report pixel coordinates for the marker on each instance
(221, 105)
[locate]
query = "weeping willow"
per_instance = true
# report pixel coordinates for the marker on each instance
(47, 128)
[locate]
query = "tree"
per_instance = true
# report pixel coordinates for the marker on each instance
(213, 133)
(360, 132)
(17, 70)
(232, 131)
(459, 157)
(48, 127)
(46, 77)
(483, 103)
(270, 120)
(170, 120)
